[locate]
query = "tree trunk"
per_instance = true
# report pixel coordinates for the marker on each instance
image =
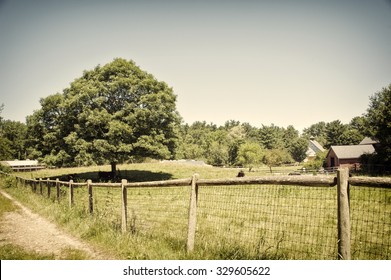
(113, 170)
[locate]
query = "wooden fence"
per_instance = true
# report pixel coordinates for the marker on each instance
(342, 181)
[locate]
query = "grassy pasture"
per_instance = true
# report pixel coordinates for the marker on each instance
(233, 222)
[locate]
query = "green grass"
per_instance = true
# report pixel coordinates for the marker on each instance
(6, 205)
(155, 171)
(233, 222)
(10, 251)
(13, 252)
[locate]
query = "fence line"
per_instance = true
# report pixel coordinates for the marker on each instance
(342, 180)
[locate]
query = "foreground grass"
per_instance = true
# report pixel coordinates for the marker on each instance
(10, 251)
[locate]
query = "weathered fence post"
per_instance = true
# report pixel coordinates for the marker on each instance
(192, 214)
(71, 199)
(90, 198)
(40, 186)
(48, 186)
(124, 205)
(58, 190)
(343, 214)
(33, 186)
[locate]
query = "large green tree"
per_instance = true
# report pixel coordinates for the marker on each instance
(110, 114)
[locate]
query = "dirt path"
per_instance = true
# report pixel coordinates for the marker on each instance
(34, 233)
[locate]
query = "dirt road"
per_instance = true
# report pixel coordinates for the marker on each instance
(34, 233)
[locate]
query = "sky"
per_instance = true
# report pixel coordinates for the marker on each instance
(262, 62)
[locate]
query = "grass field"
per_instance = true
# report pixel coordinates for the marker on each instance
(233, 222)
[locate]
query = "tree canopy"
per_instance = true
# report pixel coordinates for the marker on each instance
(112, 113)
(379, 120)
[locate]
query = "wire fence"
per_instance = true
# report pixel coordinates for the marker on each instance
(248, 218)
(370, 211)
(268, 221)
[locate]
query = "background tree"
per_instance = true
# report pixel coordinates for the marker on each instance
(318, 131)
(5, 144)
(361, 125)
(298, 149)
(276, 157)
(111, 114)
(15, 133)
(195, 141)
(335, 131)
(271, 137)
(250, 154)
(289, 136)
(12, 139)
(236, 136)
(218, 149)
(379, 119)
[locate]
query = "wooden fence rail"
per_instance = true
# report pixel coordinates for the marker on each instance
(342, 181)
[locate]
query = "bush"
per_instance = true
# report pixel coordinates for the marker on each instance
(8, 182)
(318, 162)
(5, 168)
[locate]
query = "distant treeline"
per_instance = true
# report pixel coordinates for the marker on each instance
(227, 145)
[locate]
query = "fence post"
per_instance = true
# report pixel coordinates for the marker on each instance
(124, 205)
(48, 186)
(343, 214)
(90, 198)
(71, 199)
(58, 190)
(192, 214)
(40, 186)
(34, 186)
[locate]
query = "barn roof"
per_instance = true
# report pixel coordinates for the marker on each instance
(15, 163)
(368, 141)
(316, 146)
(352, 151)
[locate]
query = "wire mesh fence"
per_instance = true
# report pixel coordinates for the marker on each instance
(370, 216)
(159, 211)
(268, 221)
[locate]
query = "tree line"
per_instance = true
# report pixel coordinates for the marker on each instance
(119, 113)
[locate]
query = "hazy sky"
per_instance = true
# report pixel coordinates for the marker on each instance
(282, 62)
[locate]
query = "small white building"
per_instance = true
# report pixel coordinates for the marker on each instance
(23, 165)
(314, 147)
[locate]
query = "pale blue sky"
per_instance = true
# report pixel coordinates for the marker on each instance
(282, 62)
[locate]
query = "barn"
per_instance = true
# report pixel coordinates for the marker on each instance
(23, 165)
(314, 147)
(348, 155)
